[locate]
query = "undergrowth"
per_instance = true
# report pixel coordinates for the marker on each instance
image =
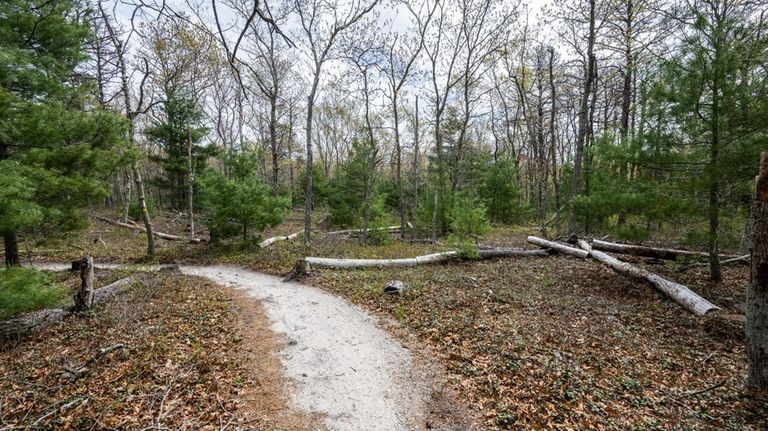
(25, 289)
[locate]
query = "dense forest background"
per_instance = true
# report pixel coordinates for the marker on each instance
(635, 118)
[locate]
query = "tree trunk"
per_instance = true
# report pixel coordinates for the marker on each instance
(556, 246)
(126, 195)
(372, 155)
(553, 139)
(310, 174)
(757, 291)
(583, 119)
(148, 228)
(273, 142)
(125, 88)
(415, 209)
(322, 262)
(269, 241)
(715, 273)
(11, 249)
(160, 235)
(398, 163)
(639, 250)
(84, 296)
(190, 187)
(679, 293)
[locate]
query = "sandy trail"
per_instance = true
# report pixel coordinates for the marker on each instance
(345, 367)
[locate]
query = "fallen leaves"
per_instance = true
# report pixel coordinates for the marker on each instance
(145, 360)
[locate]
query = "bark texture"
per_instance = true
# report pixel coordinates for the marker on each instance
(757, 292)
(84, 296)
(684, 296)
(639, 250)
(561, 248)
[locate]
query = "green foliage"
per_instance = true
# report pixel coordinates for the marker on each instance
(179, 128)
(379, 219)
(346, 199)
(501, 194)
(25, 289)
(321, 187)
(55, 153)
(233, 206)
(16, 192)
(134, 209)
(468, 221)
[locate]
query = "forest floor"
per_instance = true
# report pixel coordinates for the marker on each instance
(183, 354)
(530, 343)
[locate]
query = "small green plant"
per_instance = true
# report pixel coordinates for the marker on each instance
(24, 289)
(400, 313)
(134, 210)
(468, 221)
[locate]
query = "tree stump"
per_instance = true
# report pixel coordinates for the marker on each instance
(84, 296)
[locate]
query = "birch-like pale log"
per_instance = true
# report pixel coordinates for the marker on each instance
(323, 262)
(269, 241)
(684, 296)
(562, 248)
(160, 235)
(356, 231)
(644, 251)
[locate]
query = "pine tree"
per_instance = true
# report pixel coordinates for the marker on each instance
(54, 149)
(179, 128)
(712, 104)
(241, 203)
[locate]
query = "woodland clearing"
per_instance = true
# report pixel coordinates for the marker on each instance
(536, 342)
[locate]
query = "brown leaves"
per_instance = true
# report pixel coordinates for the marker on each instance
(144, 360)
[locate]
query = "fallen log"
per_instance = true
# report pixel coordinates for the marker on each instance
(324, 262)
(562, 248)
(645, 251)
(681, 294)
(746, 259)
(304, 265)
(160, 235)
(357, 231)
(269, 241)
(489, 253)
(18, 326)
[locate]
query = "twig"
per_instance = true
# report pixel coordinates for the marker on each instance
(65, 407)
(700, 391)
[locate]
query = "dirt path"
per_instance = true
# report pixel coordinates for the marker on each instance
(342, 364)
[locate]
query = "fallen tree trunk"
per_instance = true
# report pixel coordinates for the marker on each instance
(304, 265)
(562, 248)
(357, 231)
(274, 239)
(160, 235)
(16, 327)
(746, 259)
(323, 262)
(684, 296)
(645, 251)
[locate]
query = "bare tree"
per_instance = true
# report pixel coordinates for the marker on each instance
(401, 55)
(131, 113)
(322, 23)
